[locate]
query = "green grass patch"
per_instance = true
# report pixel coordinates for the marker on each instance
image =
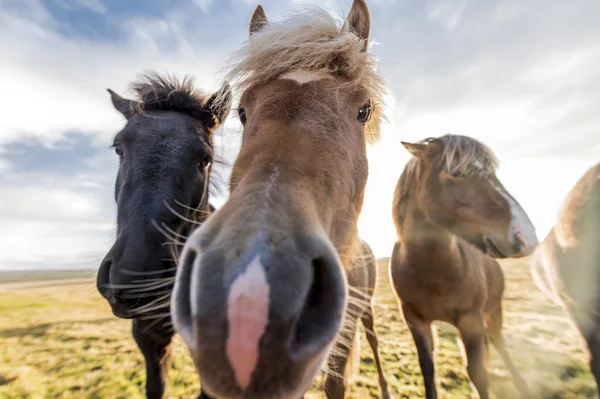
(58, 339)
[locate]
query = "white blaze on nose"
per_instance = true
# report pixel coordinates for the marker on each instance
(248, 316)
(520, 225)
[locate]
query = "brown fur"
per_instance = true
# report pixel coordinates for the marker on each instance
(437, 274)
(297, 191)
(323, 166)
(570, 259)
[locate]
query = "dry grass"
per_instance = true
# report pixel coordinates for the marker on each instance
(58, 339)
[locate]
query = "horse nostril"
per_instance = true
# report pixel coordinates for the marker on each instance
(322, 309)
(317, 288)
(103, 278)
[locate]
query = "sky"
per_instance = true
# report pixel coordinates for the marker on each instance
(521, 77)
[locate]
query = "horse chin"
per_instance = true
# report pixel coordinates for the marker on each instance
(123, 316)
(121, 311)
(133, 309)
(488, 247)
(493, 250)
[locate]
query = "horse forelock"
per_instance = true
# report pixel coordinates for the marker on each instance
(167, 93)
(466, 156)
(310, 40)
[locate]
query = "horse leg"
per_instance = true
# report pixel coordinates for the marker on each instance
(494, 327)
(472, 331)
(154, 340)
(423, 338)
(590, 331)
(593, 344)
(334, 383)
(368, 322)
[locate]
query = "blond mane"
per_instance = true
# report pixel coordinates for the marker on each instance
(580, 210)
(465, 156)
(309, 40)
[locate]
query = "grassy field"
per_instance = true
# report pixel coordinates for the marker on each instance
(58, 339)
(14, 276)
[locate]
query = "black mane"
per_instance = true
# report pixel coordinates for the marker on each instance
(157, 92)
(166, 93)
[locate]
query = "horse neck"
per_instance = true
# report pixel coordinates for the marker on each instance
(427, 244)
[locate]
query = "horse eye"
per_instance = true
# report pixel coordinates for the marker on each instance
(118, 150)
(242, 115)
(364, 113)
(205, 163)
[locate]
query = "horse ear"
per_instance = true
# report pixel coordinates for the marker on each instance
(123, 105)
(219, 105)
(419, 150)
(358, 21)
(258, 20)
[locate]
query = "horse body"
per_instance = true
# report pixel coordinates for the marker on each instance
(262, 291)
(452, 217)
(443, 270)
(165, 159)
(569, 257)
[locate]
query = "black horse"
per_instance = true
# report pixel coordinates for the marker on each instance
(165, 156)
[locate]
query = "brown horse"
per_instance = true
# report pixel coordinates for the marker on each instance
(452, 217)
(570, 258)
(362, 278)
(262, 289)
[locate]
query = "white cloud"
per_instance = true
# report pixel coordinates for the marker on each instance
(43, 222)
(92, 5)
(204, 5)
(29, 243)
(446, 13)
(5, 166)
(54, 83)
(39, 202)
(47, 108)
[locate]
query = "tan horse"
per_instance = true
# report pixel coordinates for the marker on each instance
(261, 290)
(362, 279)
(453, 216)
(570, 258)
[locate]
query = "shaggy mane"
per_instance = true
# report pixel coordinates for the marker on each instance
(461, 156)
(166, 93)
(465, 156)
(579, 213)
(308, 40)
